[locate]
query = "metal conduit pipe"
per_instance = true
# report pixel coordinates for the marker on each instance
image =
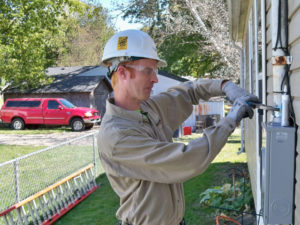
(280, 58)
(263, 56)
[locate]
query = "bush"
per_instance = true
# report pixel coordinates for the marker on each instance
(237, 198)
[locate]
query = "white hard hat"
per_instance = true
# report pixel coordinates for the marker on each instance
(129, 45)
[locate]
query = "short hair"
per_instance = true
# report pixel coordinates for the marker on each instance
(114, 79)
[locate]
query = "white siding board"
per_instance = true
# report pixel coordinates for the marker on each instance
(296, 104)
(269, 85)
(268, 15)
(293, 6)
(270, 99)
(269, 35)
(268, 5)
(294, 31)
(295, 52)
(250, 138)
(269, 52)
(295, 81)
(269, 68)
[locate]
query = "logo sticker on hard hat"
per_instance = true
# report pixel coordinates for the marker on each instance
(122, 43)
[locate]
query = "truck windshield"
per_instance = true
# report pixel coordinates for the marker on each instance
(67, 104)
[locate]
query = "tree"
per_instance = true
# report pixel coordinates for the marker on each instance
(207, 19)
(85, 36)
(182, 52)
(213, 19)
(27, 29)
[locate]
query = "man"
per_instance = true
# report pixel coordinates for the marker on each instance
(144, 167)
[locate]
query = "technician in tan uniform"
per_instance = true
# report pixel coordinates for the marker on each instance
(144, 167)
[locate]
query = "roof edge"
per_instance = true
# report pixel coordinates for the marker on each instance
(239, 11)
(166, 74)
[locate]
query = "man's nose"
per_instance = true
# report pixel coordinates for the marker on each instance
(154, 78)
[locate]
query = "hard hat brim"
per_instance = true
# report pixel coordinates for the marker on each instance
(160, 62)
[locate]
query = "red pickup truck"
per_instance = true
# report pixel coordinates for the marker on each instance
(47, 111)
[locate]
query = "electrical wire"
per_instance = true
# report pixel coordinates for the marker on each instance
(259, 215)
(226, 218)
(234, 210)
(278, 38)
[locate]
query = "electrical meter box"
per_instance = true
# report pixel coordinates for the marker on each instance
(278, 157)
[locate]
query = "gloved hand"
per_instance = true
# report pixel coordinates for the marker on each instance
(240, 109)
(232, 92)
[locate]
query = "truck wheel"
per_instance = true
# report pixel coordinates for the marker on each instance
(18, 124)
(89, 126)
(77, 124)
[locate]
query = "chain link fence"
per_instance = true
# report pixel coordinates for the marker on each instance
(25, 176)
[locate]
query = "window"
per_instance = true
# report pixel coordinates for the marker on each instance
(52, 104)
(67, 104)
(23, 103)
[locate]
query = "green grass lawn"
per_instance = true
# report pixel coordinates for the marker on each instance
(9, 152)
(4, 129)
(101, 206)
(41, 170)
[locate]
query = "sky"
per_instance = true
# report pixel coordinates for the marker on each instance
(118, 21)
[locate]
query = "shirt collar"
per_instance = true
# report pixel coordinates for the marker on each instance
(113, 110)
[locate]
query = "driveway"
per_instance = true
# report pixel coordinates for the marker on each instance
(42, 139)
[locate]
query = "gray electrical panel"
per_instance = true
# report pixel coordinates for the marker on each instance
(278, 155)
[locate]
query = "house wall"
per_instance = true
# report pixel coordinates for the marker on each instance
(98, 98)
(164, 83)
(249, 84)
(251, 125)
(205, 108)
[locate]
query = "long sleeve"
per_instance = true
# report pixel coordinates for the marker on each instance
(136, 155)
(175, 105)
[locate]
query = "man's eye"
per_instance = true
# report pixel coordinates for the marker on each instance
(150, 71)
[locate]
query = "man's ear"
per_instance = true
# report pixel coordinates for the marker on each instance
(122, 72)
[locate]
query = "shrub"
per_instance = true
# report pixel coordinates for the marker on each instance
(237, 198)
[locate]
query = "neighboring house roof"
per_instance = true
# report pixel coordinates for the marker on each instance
(77, 79)
(70, 83)
(69, 79)
(96, 71)
(74, 70)
(77, 70)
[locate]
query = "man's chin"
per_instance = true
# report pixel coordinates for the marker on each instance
(146, 97)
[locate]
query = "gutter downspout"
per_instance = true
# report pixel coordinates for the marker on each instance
(240, 50)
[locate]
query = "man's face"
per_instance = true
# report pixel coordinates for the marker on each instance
(143, 75)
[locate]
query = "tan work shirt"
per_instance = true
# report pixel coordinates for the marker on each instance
(144, 167)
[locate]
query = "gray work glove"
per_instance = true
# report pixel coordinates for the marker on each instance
(240, 109)
(232, 92)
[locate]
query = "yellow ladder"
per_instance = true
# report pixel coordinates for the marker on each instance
(48, 205)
